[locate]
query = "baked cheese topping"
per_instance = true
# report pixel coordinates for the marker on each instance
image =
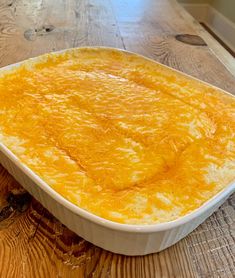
(119, 136)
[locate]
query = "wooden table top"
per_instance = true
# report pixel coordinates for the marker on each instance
(32, 242)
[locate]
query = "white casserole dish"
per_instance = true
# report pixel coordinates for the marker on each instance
(115, 237)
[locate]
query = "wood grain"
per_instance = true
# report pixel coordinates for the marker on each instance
(32, 242)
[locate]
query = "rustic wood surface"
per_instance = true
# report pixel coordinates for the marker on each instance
(32, 242)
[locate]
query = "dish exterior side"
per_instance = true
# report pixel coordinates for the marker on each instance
(119, 238)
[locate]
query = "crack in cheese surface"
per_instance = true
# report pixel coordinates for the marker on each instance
(119, 136)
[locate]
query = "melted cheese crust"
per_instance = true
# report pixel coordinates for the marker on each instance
(120, 136)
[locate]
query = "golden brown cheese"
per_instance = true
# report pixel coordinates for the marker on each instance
(120, 136)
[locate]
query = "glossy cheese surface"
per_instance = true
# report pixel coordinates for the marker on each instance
(118, 135)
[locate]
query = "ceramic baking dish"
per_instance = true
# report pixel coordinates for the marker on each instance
(112, 236)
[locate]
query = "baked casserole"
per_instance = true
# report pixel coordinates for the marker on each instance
(118, 135)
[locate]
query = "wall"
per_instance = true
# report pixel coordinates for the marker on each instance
(225, 7)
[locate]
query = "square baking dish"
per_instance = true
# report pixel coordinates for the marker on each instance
(118, 238)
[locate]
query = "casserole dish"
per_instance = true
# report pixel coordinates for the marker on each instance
(125, 238)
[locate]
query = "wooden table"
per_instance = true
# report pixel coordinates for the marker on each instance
(32, 242)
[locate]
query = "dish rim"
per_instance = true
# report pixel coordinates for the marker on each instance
(131, 228)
